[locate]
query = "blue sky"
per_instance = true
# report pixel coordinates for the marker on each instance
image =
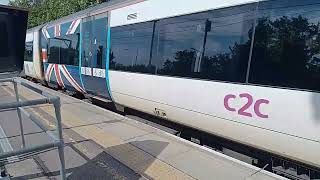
(4, 1)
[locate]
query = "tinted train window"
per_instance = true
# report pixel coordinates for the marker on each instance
(177, 44)
(94, 39)
(100, 42)
(28, 55)
(69, 47)
(130, 48)
(64, 50)
(212, 45)
(228, 44)
(287, 44)
(54, 51)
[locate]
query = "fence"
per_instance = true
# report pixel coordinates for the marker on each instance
(57, 137)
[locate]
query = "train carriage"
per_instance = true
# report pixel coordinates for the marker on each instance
(220, 78)
(244, 70)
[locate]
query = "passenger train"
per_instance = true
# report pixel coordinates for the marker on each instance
(244, 70)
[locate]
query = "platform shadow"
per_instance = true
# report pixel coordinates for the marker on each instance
(103, 166)
(125, 161)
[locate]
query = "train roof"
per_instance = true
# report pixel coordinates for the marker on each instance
(35, 28)
(99, 7)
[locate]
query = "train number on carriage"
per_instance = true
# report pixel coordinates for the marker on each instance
(250, 102)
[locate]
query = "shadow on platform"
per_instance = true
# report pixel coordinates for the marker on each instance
(104, 166)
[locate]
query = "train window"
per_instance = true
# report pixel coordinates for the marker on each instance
(287, 45)
(64, 50)
(228, 43)
(100, 42)
(54, 51)
(212, 45)
(130, 48)
(28, 55)
(87, 45)
(177, 44)
(69, 49)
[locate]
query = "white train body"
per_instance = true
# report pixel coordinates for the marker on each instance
(34, 68)
(292, 128)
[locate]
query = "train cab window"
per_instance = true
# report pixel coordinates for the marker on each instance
(54, 51)
(69, 49)
(64, 50)
(28, 55)
(286, 49)
(228, 43)
(130, 48)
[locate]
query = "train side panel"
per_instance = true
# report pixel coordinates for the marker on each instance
(290, 130)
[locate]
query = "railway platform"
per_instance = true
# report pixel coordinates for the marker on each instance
(100, 144)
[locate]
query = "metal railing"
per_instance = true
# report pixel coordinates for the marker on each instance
(57, 138)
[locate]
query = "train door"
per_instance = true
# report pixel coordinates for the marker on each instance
(94, 52)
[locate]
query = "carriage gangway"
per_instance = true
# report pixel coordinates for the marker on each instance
(100, 144)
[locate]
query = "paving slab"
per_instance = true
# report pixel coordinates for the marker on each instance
(154, 148)
(27, 169)
(124, 131)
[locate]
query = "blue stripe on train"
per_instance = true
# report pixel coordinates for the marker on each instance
(107, 63)
(80, 57)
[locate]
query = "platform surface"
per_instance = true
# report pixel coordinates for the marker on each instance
(101, 144)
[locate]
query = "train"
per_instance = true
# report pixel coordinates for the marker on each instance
(243, 70)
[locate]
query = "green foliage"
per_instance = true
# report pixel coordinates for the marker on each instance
(48, 10)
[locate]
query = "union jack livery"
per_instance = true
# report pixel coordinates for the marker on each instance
(73, 27)
(65, 76)
(62, 77)
(57, 30)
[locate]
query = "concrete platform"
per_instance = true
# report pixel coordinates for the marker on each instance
(104, 145)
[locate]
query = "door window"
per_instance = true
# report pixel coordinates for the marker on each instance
(94, 42)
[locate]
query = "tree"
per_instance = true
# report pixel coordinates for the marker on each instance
(48, 10)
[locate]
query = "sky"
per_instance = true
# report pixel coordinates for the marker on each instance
(4, 1)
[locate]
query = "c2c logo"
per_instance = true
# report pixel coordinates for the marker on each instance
(250, 101)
